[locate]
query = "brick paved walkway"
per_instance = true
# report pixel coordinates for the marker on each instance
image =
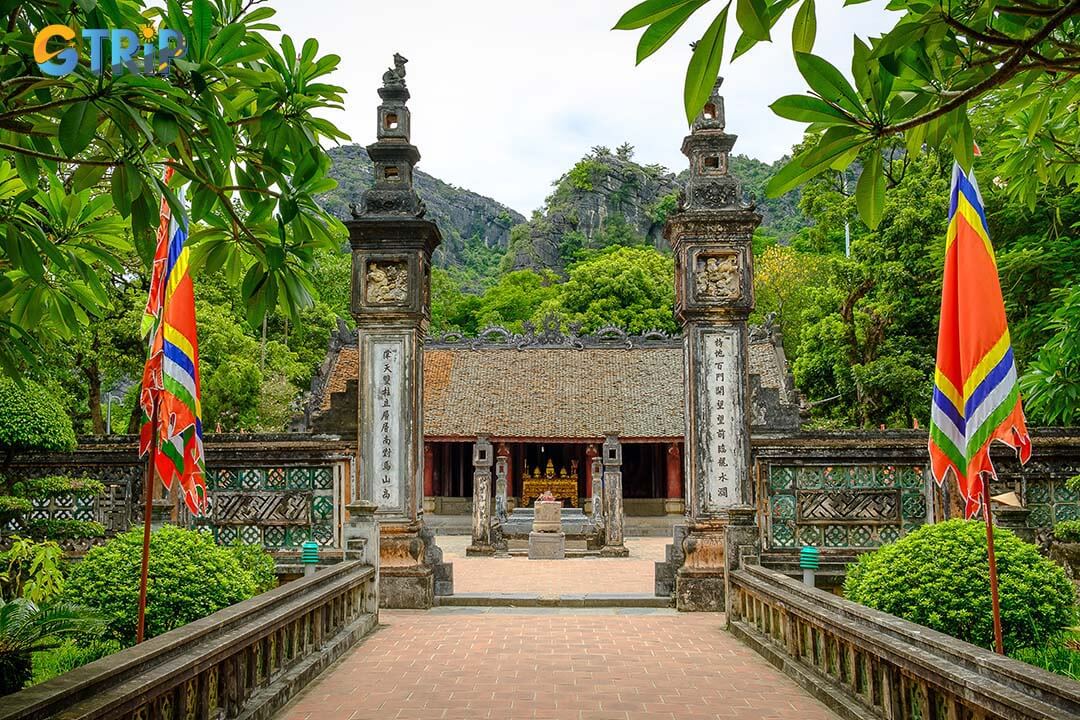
(556, 577)
(580, 665)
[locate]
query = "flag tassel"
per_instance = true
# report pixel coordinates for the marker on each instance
(995, 601)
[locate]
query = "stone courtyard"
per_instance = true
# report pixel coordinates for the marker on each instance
(552, 663)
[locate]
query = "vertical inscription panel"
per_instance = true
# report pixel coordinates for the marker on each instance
(723, 437)
(384, 444)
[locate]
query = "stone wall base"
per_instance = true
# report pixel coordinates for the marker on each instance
(699, 592)
(547, 546)
(674, 506)
(619, 551)
(479, 550)
(407, 588)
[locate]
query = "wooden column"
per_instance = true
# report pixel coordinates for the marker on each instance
(673, 503)
(429, 478)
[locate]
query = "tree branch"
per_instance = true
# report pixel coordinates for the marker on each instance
(1009, 68)
(57, 158)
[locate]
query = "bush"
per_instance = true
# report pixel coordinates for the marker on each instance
(189, 577)
(1067, 531)
(55, 485)
(938, 577)
(68, 656)
(31, 418)
(259, 563)
(11, 506)
(54, 529)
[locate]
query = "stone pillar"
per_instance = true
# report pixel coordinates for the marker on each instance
(711, 234)
(502, 472)
(429, 479)
(613, 499)
(392, 245)
(361, 541)
(673, 503)
(481, 503)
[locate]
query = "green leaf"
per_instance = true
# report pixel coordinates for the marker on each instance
(202, 24)
(870, 190)
(704, 66)
(804, 31)
(647, 13)
(166, 129)
(1037, 119)
(826, 81)
(809, 109)
(962, 137)
(77, 126)
(833, 144)
(661, 31)
(753, 18)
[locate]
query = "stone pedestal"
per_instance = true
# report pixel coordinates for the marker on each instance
(360, 537)
(392, 246)
(547, 546)
(547, 541)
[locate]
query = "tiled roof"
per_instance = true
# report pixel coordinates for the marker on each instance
(552, 392)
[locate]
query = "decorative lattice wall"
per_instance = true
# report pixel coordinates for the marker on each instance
(842, 506)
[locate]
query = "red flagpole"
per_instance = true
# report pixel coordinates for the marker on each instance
(994, 601)
(140, 631)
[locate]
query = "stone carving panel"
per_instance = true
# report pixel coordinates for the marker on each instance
(275, 508)
(854, 506)
(386, 282)
(725, 465)
(385, 444)
(717, 277)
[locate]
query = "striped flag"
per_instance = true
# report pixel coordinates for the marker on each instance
(170, 389)
(976, 399)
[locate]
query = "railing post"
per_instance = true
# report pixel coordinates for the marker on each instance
(361, 539)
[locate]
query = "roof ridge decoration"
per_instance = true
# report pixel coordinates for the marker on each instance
(549, 334)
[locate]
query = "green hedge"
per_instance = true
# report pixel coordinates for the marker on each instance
(1067, 531)
(938, 576)
(53, 529)
(31, 418)
(54, 485)
(258, 562)
(189, 577)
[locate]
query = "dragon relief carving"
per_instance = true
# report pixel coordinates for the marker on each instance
(387, 282)
(717, 278)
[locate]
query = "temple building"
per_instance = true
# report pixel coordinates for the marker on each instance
(546, 399)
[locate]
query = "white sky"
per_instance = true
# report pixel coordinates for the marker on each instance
(508, 94)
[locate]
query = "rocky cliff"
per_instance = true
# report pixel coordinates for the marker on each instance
(461, 215)
(608, 199)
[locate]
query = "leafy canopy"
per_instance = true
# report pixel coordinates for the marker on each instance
(239, 120)
(916, 82)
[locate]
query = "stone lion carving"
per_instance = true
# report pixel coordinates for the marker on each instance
(717, 278)
(396, 74)
(386, 283)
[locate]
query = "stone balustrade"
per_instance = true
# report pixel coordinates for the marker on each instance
(867, 664)
(244, 661)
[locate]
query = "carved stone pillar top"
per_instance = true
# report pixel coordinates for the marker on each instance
(502, 451)
(612, 455)
(482, 452)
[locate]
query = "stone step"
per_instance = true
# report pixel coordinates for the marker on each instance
(585, 600)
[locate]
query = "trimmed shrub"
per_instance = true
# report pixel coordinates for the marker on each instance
(259, 563)
(1067, 531)
(56, 485)
(189, 577)
(938, 576)
(32, 419)
(53, 529)
(11, 506)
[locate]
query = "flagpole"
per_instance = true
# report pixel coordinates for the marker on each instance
(147, 513)
(994, 600)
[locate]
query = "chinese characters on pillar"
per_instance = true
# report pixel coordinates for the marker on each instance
(386, 461)
(724, 464)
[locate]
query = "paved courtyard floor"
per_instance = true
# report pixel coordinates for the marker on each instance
(540, 663)
(555, 577)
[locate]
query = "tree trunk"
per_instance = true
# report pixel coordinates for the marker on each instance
(93, 397)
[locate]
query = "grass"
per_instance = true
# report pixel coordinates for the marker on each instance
(1061, 657)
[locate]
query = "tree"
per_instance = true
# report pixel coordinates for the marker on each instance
(865, 353)
(515, 298)
(629, 287)
(30, 419)
(917, 81)
(237, 118)
(1051, 387)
